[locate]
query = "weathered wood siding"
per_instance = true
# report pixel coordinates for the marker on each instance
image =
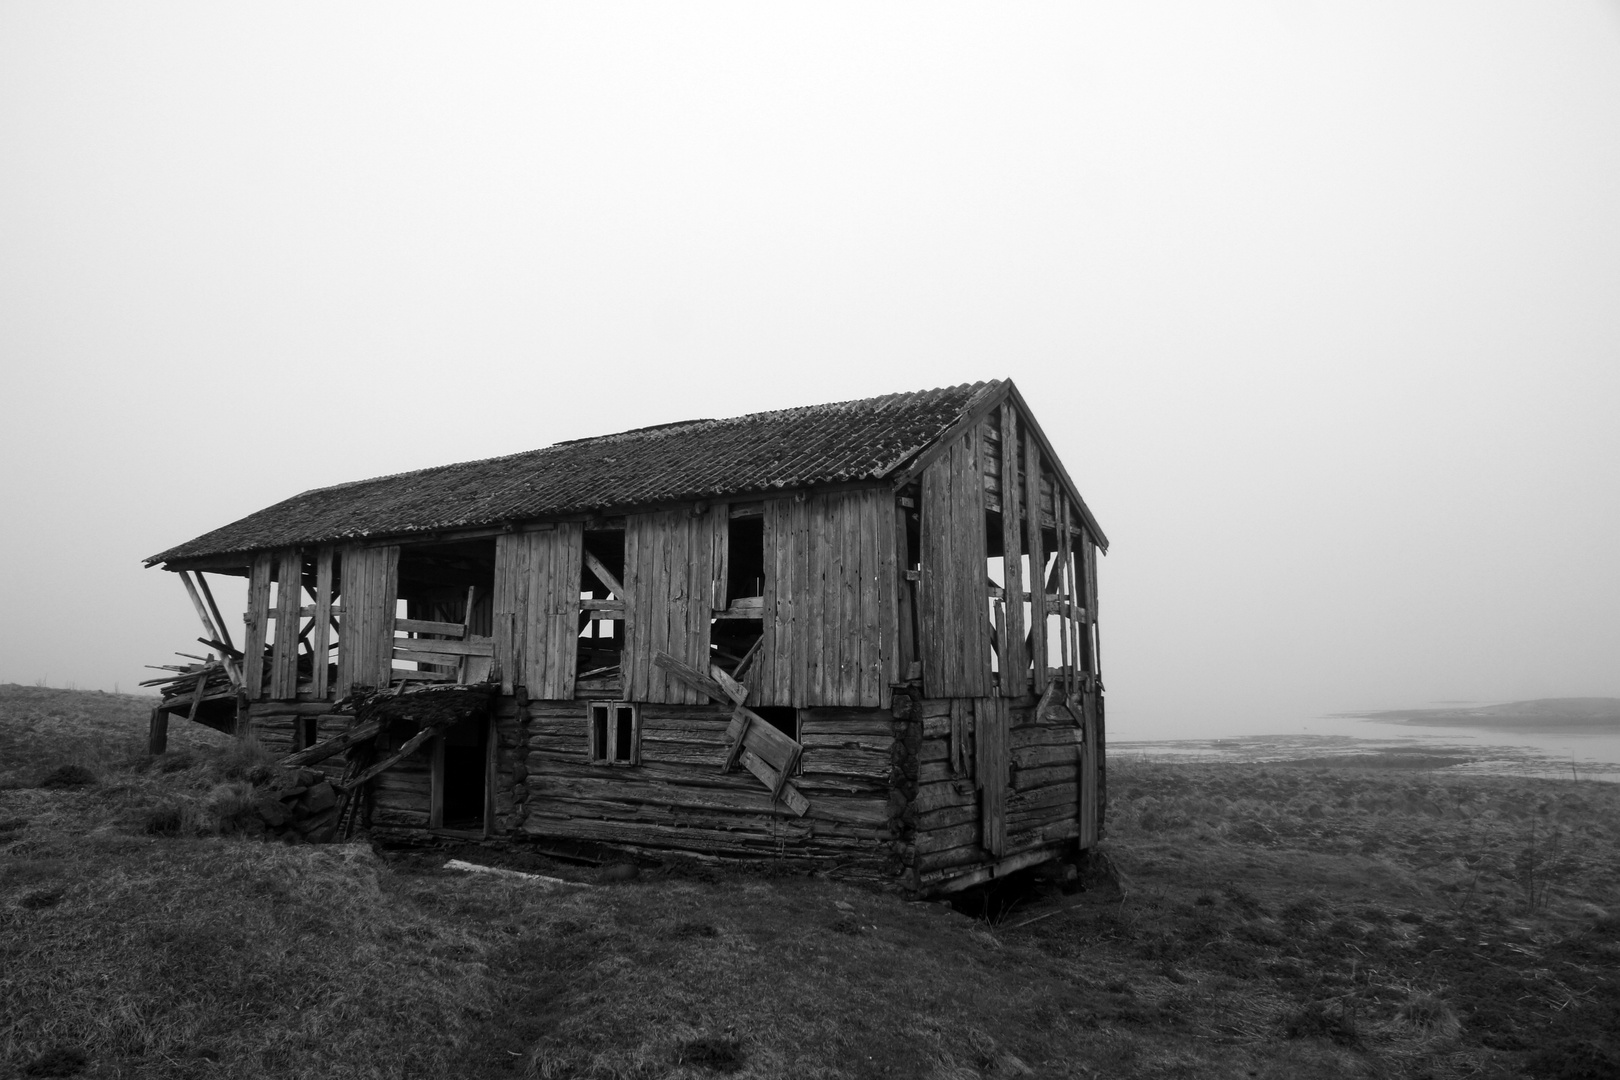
(676, 798)
(289, 593)
(370, 577)
(669, 562)
(830, 628)
(255, 620)
(536, 608)
(952, 600)
(1044, 765)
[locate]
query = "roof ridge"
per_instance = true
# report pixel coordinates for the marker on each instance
(664, 430)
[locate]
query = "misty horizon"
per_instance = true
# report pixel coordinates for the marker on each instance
(1317, 306)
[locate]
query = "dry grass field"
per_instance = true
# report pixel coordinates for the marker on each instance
(1318, 920)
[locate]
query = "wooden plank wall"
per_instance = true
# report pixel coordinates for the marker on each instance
(366, 634)
(1042, 800)
(289, 597)
(677, 798)
(831, 625)
(669, 559)
(1013, 659)
(321, 639)
(551, 635)
(514, 552)
(952, 602)
(536, 608)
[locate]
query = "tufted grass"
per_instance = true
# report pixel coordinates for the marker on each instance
(1389, 931)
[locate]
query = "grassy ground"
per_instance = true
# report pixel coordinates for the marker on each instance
(1273, 922)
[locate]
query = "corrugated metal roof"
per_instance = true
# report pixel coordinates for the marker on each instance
(791, 448)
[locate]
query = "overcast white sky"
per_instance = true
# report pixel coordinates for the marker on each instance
(1319, 303)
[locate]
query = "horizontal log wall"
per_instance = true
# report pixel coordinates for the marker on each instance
(678, 799)
(1042, 802)
(274, 726)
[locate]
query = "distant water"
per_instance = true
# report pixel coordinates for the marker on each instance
(1494, 750)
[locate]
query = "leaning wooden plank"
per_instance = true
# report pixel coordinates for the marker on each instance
(215, 630)
(391, 760)
(605, 576)
(733, 689)
(740, 722)
(788, 795)
(692, 677)
(331, 747)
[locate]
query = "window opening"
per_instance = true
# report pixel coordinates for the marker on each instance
(446, 594)
(601, 615)
(615, 733)
(308, 732)
(739, 625)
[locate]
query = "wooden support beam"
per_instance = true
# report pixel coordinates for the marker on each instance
(605, 576)
(257, 615)
(391, 760)
(1037, 563)
(215, 631)
(157, 732)
(428, 626)
(333, 746)
(692, 677)
(320, 646)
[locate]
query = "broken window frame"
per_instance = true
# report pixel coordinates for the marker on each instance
(603, 746)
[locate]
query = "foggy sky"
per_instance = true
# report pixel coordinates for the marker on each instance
(1319, 304)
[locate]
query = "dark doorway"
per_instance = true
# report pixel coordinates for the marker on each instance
(466, 753)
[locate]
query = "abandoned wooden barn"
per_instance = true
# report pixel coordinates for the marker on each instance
(861, 633)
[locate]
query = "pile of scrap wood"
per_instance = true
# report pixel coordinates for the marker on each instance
(192, 684)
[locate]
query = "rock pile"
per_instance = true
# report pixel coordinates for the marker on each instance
(293, 805)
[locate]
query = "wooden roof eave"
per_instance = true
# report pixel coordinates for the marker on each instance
(1003, 391)
(237, 562)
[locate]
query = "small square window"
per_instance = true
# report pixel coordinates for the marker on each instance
(614, 733)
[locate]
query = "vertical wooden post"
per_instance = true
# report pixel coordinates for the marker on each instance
(1066, 592)
(321, 642)
(258, 609)
(157, 732)
(906, 643)
(1037, 563)
(1014, 662)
